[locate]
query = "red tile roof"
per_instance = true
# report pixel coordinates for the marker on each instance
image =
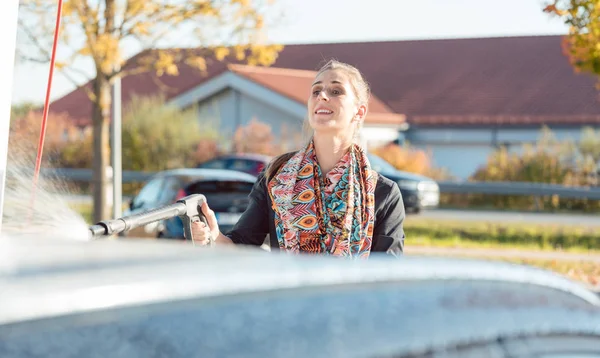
(504, 81)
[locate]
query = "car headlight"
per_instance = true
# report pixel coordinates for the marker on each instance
(428, 186)
(408, 184)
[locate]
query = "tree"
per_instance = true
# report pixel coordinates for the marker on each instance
(20, 110)
(25, 133)
(255, 137)
(404, 158)
(175, 135)
(100, 30)
(582, 44)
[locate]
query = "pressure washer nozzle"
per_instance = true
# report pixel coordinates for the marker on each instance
(97, 230)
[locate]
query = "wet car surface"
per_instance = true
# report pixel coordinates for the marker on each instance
(130, 298)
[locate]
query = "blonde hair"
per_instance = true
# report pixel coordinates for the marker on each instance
(358, 82)
(362, 92)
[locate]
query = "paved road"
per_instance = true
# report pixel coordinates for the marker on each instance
(515, 217)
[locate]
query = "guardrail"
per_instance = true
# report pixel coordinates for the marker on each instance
(493, 188)
(85, 175)
(520, 188)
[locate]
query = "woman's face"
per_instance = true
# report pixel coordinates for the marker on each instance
(332, 105)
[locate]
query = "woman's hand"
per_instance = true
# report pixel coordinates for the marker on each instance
(201, 233)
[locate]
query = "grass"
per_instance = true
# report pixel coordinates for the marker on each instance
(465, 234)
(585, 272)
(511, 236)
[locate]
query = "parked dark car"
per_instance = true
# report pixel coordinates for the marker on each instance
(418, 191)
(244, 162)
(226, 192)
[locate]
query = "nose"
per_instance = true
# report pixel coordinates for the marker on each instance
(322, 96)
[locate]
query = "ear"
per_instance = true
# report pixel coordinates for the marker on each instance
(360, 113)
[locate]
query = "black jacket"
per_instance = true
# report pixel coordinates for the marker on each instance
(388, 235)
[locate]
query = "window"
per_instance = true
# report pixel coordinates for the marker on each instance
(247, 166)
(149, 195)
(169, 191)
(214, 164)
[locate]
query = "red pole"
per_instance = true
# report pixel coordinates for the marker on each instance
(38, 160)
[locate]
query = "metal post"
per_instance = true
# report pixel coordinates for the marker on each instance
(116, 148)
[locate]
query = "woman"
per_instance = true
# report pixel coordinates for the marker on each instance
(323, 199)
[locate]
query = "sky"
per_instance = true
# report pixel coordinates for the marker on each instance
(318, 21)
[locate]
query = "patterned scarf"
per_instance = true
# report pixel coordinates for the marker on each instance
(331, 216)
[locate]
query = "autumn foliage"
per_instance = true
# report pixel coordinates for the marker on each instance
(61, 133)
(404, 158)
(582, 44)
(102, 32)
(547, 161)
(410, 159)
(255, 137)
(258, 137)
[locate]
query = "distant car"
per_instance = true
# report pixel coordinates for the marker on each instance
(418, 191)
(245, 162)
(226, 192)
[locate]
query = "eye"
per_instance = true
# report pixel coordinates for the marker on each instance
(336, 92)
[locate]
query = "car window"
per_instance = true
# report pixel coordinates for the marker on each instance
(243, 165)
(219, 186)
(223, 195)
(214, 164)
(149, 194)
(169, 191)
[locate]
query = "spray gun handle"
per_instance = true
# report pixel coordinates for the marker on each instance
(187, 225)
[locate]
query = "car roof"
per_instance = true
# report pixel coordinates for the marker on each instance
(207, 174)
(252, 156)
(37, 274)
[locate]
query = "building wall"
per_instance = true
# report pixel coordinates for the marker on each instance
(463, 150)
(230, 109)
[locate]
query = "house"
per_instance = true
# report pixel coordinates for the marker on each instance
(277, 97)
(461, 98)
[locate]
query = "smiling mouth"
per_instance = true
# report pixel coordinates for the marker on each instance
(323, 111)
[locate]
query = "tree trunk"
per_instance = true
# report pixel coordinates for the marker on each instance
(101, 120)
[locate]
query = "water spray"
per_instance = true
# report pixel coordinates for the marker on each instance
(38, 161)
(189, 209)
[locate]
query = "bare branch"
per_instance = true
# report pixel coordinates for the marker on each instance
(122, 25)
(64, 72)
(109, 16)
(89, 92)
(31, 59)
(34, 39)
(89, 33)
(79, 71)
(163, 86)
(134, 71)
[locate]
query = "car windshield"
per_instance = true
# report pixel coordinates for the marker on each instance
(222, 194)
(380, 165)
